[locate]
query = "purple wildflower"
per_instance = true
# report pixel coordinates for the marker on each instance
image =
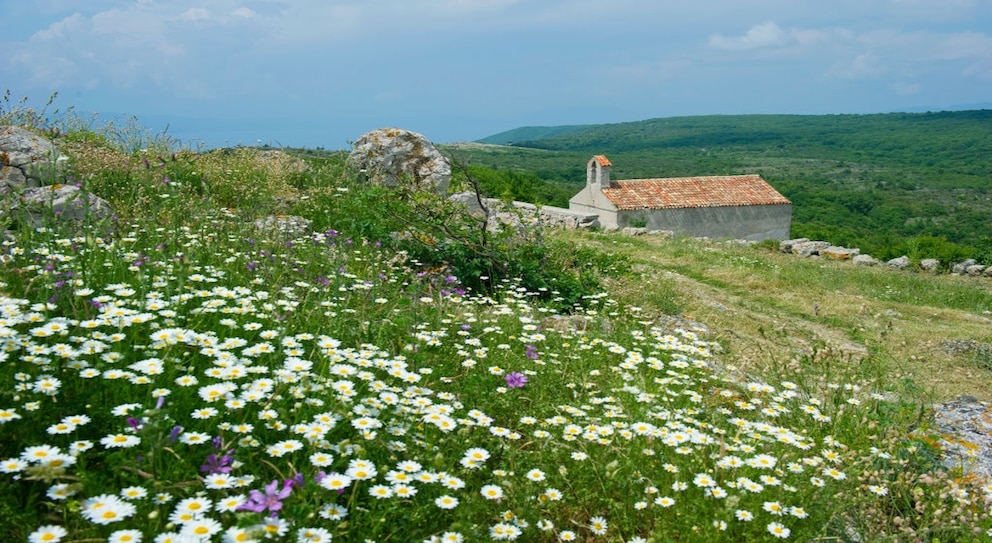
(270, 500)
(218, 464)
(296, 480)
(531, 352)
(516, 380)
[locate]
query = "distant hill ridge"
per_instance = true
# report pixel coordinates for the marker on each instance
(807, 132)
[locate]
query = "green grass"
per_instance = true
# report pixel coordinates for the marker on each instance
(160, 374)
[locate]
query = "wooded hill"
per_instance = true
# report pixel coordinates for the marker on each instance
(918, 184)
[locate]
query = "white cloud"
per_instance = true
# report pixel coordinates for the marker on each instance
(766, 34)
(862, 66)
(981, 70)
(244, 12)
(61, 29)
(195, 14)
(962, 45)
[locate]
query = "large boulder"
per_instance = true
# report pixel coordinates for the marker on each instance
(392, 156)
(27, 159)
(38, 206)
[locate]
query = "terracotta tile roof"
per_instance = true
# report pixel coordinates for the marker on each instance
(602, 160)
(682, 192)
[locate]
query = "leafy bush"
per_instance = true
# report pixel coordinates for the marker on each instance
(440, 234)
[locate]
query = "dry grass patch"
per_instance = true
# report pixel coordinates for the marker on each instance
(773, 312)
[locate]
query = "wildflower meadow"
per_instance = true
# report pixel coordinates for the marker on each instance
(182, 373)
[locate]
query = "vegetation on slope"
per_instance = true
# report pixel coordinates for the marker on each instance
(184, 373)
(889, 184)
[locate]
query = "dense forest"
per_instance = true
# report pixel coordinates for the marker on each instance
(918, 184)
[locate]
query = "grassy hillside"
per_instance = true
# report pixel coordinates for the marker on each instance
(394, 371)
(891, 184)
(530, 133)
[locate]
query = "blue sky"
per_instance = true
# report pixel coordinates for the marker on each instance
(319, 73)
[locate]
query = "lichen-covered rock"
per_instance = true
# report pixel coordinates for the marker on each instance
(864, 260)
(965, 428)
(930, 265)
(809, 248)
(37, 206)
(392, 156)
(975, 270)
(835, 252)
(900, 263)
(961, 268)
(289, 225)
(786, 245)
(27, 159)
(497, 213)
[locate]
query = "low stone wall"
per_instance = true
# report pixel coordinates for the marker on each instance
(807, 248)
(557, 217)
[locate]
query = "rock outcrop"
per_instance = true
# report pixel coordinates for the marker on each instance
(27, 159)
(37, 206)
(392, 156)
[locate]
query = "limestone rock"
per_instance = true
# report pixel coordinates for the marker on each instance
(835, 252)
(392, 156)
(37, 206)
(557, 217)
(930, 265)
(786, 246)
(809, 248)
(27, 159)
(290, 225)
(965, 434)
(975, 270)
(864, 260)
(497, 213)
(961, 268)
(900, 263)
